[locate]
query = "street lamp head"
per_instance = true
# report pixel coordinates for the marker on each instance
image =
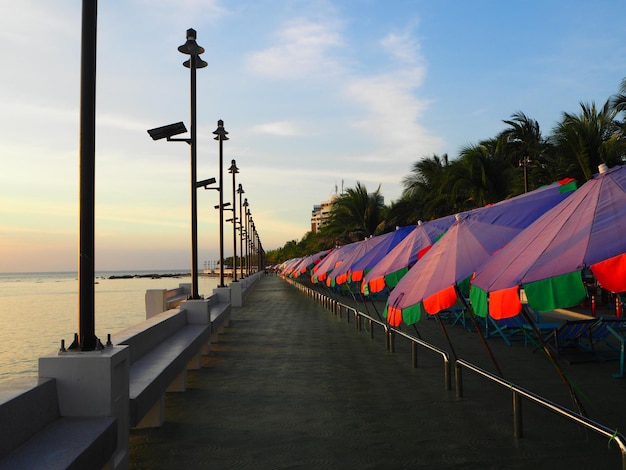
(198, 62)
(165, 132)
(220, 132)
(233, 167)
(191, 47)
(240, 189)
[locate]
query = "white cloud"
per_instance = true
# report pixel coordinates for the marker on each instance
(304, 49)
(403, 47)
(280, 128)
(391, 105)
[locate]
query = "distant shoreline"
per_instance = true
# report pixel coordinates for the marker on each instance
(148, 275)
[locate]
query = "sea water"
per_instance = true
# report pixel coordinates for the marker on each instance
(38, 310)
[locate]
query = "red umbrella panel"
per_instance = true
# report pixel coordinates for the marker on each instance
(585, 231)
(432, 282)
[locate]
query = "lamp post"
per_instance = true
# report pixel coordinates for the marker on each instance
(240, 191)
(86, 339)
(220, 136)
(526, 163)
(252, 235)
(246, 231)
(195, 62)
(192, 49)
(253, 248)
(234, 170)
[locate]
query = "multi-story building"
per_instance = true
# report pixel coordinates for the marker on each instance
(320, 213)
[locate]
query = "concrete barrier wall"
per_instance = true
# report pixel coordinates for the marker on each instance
(97, 383)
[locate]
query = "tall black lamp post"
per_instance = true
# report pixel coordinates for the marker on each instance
(234, 170)
(220, 136)
(192, 49)
(240, 191)
(86, 339)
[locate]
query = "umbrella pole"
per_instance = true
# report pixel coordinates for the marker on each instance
(472, 315)
(362, 300)
(445, 334)
(554, 361)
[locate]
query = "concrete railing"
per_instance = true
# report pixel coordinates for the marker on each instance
(241, 289)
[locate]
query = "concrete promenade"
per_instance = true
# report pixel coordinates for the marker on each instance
(291, 386)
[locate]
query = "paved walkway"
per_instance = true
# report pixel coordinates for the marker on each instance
(291, 386)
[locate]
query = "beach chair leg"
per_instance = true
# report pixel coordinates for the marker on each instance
(498, 330)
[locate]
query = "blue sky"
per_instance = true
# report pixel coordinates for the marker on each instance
(313, 94)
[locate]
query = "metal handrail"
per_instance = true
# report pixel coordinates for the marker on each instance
(416, 341)
(358, 315)
(519, 392)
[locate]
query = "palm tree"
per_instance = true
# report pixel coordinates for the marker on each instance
(482, 175)
(618, 102)
(590, 138)
(355, 214)
(527, 148)
(426, 190)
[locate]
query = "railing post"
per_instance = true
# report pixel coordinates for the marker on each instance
(458, 379)
(518, 431)
(371, 329)
(392, 342)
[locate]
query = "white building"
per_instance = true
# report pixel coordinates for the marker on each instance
(320, 213)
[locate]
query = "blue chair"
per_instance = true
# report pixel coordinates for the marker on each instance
(569, 334)
(607, 331)
(510, 329)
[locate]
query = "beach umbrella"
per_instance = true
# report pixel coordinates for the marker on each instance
(309, 262)
(585, 231)
(396, 263)
(432, 283)
(332, 260)
(286, 267)
(368, 254)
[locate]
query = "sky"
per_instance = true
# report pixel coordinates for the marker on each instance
(316, 95)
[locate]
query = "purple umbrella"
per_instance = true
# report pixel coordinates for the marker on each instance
(308, 262)
(395, 264)
(332, 260)
(368, 254)
(433, 280)
(584, 231)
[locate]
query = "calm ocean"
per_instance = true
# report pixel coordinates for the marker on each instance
(38, 310)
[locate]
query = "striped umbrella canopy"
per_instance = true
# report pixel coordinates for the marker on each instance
(395, 264)
(585, 231)
(367, 254)
(431, 284)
